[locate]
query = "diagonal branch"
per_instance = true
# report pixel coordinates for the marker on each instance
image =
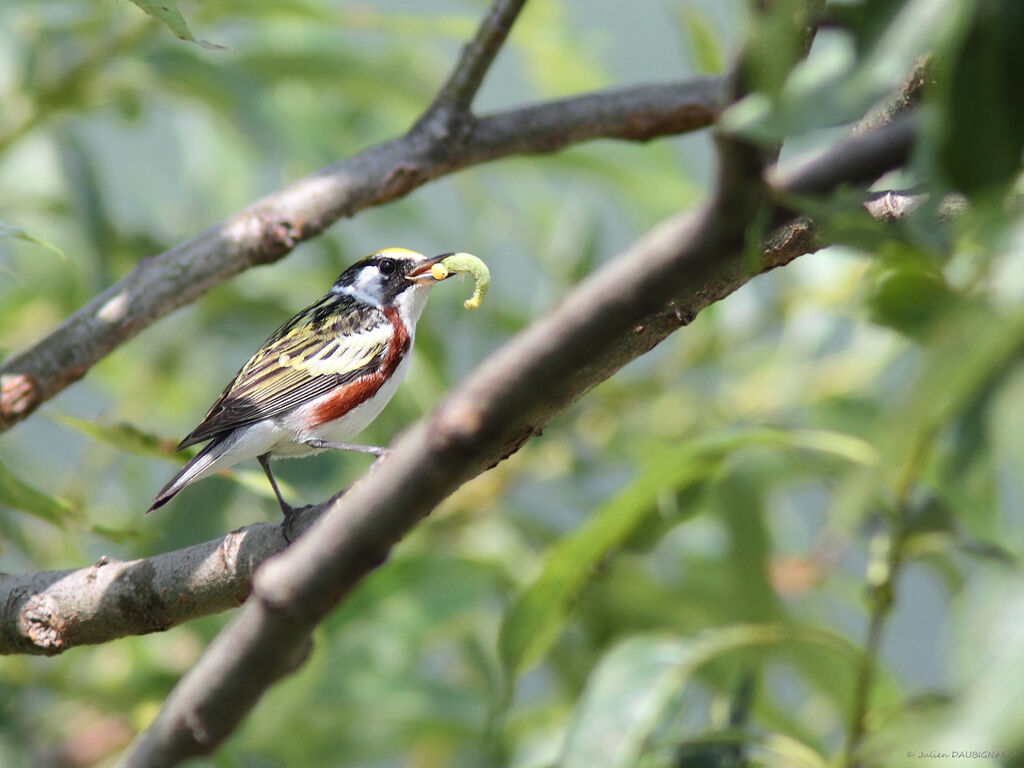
(50, 612)
(612, 317)
(476, 58)
(269, 229)
(859, 160)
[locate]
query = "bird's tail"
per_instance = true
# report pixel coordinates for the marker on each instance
(199, 466)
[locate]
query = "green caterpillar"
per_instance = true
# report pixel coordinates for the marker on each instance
(471, 265)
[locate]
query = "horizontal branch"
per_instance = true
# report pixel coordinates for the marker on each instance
(50, 612)
(613, 316)
(270, 228)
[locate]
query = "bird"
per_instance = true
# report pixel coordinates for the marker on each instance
(320, 378)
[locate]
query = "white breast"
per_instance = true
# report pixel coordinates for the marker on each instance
(356, 420)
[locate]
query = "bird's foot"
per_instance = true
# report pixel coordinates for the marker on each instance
(292, 516)
(373, 450)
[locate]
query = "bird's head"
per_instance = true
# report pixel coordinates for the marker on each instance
(391, 277)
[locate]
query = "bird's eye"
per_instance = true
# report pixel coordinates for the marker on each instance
(387, 267)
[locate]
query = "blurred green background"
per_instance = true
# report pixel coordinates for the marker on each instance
(691, 565)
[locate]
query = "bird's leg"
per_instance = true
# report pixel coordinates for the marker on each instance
(286, 508)
(373, 450)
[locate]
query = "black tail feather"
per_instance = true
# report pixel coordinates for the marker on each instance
(184, 477)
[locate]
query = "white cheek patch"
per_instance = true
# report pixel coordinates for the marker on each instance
(368, 287)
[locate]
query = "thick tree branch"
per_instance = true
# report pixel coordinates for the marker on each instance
(48, 613)
(270, 228)
(612, 317)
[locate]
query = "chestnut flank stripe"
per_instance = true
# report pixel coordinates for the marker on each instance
(347, 397)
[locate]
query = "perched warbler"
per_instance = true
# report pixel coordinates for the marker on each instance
(323, 376)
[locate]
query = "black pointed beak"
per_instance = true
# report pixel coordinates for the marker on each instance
(422, 273)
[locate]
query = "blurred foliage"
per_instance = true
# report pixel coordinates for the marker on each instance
(789, 536)
(167, 12)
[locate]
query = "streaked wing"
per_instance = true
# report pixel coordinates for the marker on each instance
(332, 342)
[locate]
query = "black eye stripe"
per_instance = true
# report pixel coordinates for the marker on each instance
(387, 267)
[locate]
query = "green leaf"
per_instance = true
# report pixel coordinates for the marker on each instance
(124, 437)
(166, 11)
(770, 750)
(16, 494)
(6, 230)
(836, 85)
(908, 294)
(255, 481)
(629, 693)
(983, 117)
(122, 536)
(534, 620)
(131, 439)
(703, 43)
(973, 349)
(866, 20)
